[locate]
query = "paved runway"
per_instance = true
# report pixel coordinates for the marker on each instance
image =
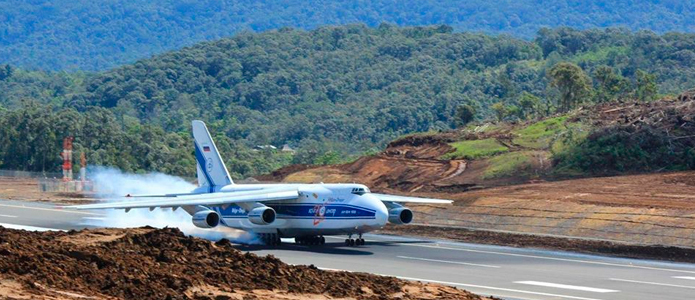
(505, 272)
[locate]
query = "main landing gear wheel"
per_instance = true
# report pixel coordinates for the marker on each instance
(310, 240)
(354, 242)
(271, 239)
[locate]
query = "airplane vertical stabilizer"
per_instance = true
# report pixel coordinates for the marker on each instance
(211, 169)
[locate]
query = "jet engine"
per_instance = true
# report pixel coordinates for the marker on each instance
(262, 215)
(206, 219)
(400, 215)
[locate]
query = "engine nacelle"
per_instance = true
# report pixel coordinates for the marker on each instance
(206, 219)
(400, 215)
(262, 215)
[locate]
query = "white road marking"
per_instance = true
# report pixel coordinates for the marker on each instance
(448, 262)
(51, 209)
(7, 216)
(684, 277)
(30, 228)
(93, 218)
(549, 258)
(654, 283)
(493, 288)
(567, 287)
(476, 286)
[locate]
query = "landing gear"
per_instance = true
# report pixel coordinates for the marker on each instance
(271, 239)
(354, 242)
(310, 240)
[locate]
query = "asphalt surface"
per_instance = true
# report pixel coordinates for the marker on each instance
(505, 272)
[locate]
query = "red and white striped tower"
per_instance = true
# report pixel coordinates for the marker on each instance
(67, 159)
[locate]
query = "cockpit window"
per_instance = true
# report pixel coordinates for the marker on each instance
(360, 191)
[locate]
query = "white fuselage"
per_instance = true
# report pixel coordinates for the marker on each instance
(320, 209)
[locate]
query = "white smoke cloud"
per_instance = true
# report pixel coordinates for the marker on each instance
(112, 185)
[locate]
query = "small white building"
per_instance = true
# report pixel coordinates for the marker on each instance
(287, 148)
(265, 147)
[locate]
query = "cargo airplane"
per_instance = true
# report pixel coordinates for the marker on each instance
(306, 212)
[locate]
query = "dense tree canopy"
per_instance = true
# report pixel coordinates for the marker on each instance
(97, 35)
(347, 89)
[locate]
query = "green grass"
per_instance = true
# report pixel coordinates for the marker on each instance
(540, 135)
(513, 163)
(475, 149)
(575, 134)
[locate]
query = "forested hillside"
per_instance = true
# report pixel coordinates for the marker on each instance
(97, 35)
(337, 91)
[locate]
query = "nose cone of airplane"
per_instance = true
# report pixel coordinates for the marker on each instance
(382, 213)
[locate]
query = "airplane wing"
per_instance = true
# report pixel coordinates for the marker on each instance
(207, 199)
(404, 199)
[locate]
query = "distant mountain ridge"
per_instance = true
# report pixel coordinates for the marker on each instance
(98, 35)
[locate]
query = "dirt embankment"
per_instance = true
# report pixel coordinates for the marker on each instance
(652, 209)
(164, 264)
(408, 164)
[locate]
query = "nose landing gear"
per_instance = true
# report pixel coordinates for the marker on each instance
(354, 242)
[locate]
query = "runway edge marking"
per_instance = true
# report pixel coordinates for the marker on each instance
(448, 262)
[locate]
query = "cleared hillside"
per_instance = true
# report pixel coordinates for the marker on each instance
(606, 139)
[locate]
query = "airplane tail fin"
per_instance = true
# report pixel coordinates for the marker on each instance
(211, 169)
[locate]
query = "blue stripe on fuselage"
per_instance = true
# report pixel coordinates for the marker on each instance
(306, 211)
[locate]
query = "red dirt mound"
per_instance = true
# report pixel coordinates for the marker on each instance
(165, 264)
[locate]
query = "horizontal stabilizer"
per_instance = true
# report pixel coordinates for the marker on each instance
(158, 195)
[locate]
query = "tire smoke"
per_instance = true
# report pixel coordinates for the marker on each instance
(112, 185)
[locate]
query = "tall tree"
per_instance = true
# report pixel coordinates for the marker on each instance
(528, 104)
(500, 111)
(464, 115)
(609, 85)
(572, 83)
(646, 86)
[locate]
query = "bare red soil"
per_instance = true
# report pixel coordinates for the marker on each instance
(147, 263)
